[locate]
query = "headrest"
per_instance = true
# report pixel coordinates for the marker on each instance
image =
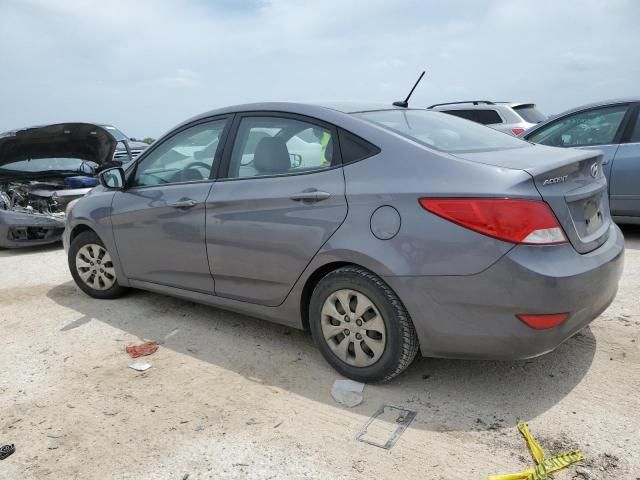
(272, 156)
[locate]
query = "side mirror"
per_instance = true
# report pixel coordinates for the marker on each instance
(112, 178)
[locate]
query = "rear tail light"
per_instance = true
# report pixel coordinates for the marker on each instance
(517, 131)
(541, 322)
(509, 219)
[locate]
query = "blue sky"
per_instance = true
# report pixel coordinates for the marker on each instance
(146, 65)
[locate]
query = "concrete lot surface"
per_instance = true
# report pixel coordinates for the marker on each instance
(229, 396)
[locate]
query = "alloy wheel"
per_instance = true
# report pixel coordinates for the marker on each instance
(353, 328)
(94, 266)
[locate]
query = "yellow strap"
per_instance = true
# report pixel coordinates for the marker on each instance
(525, 475)
(543, 467)
(534, 447)
(542, 470)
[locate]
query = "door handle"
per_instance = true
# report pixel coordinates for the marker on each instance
(187, 203)
(312, 196)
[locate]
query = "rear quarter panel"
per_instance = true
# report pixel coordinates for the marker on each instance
(425, 243)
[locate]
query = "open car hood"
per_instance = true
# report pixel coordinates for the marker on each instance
(84, 141)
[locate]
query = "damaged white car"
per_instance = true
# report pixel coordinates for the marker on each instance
(44, 168)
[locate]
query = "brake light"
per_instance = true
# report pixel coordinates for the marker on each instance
(541, 322)
(509, 219)
(517, 131)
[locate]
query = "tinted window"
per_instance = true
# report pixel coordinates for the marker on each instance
(279, 145)
(487, 117)
(484, 116)
(185, 157)
(591, 127)
(441, 131)
(529, 113)
(466, 114)
(354, 148)
(635, 134)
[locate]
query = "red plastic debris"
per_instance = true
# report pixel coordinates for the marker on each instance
(142, 350)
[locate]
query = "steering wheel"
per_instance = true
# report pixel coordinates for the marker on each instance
(198, 164)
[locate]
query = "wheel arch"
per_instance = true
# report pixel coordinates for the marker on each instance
(78, 229)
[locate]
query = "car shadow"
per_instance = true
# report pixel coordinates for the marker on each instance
(631, 236)
(486, 395)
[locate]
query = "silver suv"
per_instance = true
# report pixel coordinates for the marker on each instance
(507, 117)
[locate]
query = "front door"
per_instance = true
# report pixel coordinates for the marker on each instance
(624, 185)
(281, 200)
(159, 219)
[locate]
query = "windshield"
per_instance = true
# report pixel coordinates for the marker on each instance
(441, 131)
(49, 165)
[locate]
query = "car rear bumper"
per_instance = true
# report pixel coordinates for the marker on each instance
(474, 316)
(27, 230)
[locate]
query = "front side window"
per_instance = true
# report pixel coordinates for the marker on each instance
(187, 156)
(592, 127)
(441, 131)
(278, 145)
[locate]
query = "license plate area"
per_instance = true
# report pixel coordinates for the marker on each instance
(587, 214)
(592, 214)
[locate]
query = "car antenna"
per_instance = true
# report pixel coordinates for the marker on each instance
(405, 103)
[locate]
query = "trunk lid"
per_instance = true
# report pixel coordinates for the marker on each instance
(570, 181)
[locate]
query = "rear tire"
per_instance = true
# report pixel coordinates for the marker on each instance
(371, 338)
(92, 268)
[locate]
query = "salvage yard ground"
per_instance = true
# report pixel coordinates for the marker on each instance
(233, 397)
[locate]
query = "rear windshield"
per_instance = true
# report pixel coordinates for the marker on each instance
(442, 131)
(529, 113)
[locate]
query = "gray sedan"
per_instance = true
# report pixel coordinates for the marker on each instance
(612, 127)
(385, 231)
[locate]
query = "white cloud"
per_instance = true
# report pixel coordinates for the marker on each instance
(147, 65)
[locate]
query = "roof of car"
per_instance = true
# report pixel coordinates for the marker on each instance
(344, 107)
(601, 103)
(317, 109)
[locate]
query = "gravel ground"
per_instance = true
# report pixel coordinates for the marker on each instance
(233, 397)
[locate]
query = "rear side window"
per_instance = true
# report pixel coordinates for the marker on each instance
(483, 116)
(466, 114)
(354, 148)
(529, 113)
(487, 117)
(267, 146)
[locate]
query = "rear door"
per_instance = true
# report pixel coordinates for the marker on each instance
(282, 197)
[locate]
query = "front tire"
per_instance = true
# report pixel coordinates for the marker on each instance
(92, 267)
(361, 326)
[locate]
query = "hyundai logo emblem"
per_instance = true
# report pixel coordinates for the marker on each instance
(594, 170)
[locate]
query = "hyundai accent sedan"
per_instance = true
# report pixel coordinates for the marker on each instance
(385, 231)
